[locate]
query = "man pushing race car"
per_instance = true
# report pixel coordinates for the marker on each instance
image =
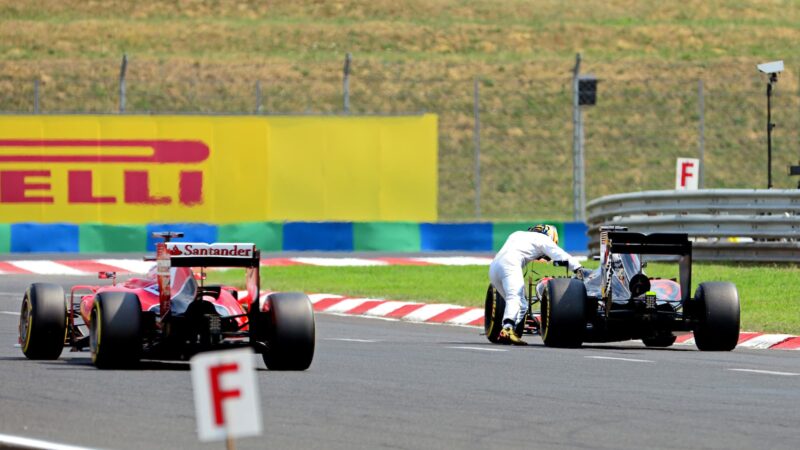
(505, 272)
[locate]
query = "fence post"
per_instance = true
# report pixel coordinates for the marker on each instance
(122, 69)
(578, 193)
(347, 59)
(36, 96)
(701, 137)
(259, 106)
(477, 139)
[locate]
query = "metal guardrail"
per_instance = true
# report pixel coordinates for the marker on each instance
(725, 224)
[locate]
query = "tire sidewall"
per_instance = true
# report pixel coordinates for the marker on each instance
(291, 337)
(43, 317)
(564, 313)
(718, 315)
(494, 308)
(115, 330)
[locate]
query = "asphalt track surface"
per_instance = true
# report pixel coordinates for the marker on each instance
(382, 384)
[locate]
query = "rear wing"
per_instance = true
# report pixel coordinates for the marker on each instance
(677, 244)
(650, 244)
(198, 254)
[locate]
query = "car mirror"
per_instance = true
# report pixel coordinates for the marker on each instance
(639, 284)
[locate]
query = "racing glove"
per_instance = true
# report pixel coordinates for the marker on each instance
(579, 273)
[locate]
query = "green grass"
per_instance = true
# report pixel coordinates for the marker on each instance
(769, 295)
(415, 55)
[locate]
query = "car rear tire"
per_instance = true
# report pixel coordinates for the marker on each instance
(115, 330)
(290, 332)
(717, 312)
(43, 321)
(563, 313)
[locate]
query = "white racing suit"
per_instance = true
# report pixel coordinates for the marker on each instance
(505, 271)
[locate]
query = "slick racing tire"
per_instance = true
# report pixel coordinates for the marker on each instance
(43, 321)
(493, 311)
(494, 307)
(563, 313)
(716, 305)
(115, 330)
(290, 332)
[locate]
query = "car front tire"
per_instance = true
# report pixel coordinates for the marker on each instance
(43, 321)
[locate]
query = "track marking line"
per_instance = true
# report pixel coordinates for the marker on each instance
(340, 262)
(134, 266)
(10, 313)
(455, 260)
(366, 341)
(23, 442)
(766, 372)
(611, 358)
(43, 267)
(482, 349)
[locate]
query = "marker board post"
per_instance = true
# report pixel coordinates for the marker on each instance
(227, 404)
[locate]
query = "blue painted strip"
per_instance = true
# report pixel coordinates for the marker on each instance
(575, 238)
(473, 237)
(326, 236)
(39, 237)
(192, 232)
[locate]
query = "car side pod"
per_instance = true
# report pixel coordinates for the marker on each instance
(716, 310)
(564, 313)
(43, 321)
(115, 330)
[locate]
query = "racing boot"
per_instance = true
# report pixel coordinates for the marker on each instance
(509, 336)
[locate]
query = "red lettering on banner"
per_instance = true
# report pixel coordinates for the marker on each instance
(190, 188)
(17, 187)
(685, 172)
(217, 394)
(79, 184)
(137, 189)
(14, 187)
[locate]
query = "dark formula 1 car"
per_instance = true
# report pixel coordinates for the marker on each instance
(618, 302)
(170, 314)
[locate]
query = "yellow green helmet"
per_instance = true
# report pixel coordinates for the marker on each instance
(548, 230)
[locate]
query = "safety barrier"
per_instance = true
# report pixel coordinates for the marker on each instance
(725, 224)
(281, 236)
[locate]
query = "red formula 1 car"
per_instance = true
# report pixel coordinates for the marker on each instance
(170, 313)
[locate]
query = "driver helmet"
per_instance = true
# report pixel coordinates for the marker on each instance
(548, 230)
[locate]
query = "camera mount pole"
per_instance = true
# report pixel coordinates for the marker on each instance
(773, 78)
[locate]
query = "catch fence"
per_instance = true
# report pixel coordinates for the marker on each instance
(505, 130)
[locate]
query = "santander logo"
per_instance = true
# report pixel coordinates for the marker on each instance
(195, 249)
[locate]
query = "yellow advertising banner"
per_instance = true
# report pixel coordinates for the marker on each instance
(217, 169)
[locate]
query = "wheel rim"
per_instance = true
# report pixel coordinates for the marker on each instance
(94, 332)
(489, 309)
(25, 319)
(544, 314)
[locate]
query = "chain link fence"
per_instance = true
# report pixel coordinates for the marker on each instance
(510, 127)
